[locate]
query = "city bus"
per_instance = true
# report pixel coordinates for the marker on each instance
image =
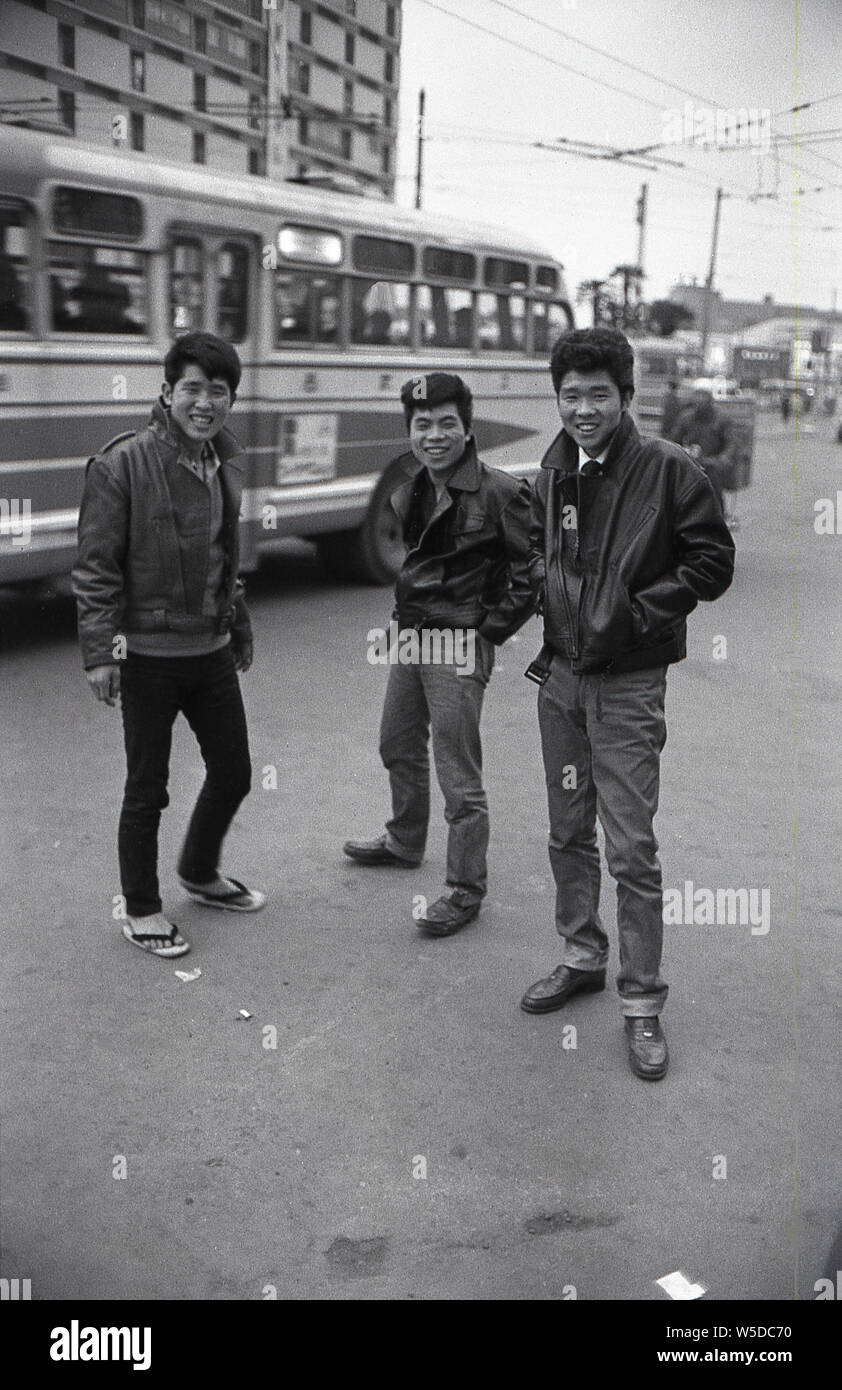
(331, 300)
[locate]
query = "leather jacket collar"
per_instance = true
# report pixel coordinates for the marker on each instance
(465, 476)
(226, 444)
(563, 453)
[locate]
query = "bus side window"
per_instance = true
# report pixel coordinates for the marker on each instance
(232, 270)
(292, 307)
(187, 295)
(97, 289)
(445, 316)
(549, 320)
(502, 319)
(14, 270)
(380, 313)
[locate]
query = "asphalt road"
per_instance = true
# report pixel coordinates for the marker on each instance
(296, 1168)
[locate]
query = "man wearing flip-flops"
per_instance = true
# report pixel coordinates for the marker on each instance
(162, 624)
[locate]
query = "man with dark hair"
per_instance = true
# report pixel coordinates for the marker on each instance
(162, 624)
(626, 538)
(462, 590)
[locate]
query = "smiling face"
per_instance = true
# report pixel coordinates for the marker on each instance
(591, 407)
(437, 436)
(199, 405)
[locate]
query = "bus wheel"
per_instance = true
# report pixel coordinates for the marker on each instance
(375, 551)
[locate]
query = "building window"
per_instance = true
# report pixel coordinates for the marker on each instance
(386, 160)
(200, 86)
(305, 28)
(346, 144)
(389, 67)
(348, 97)
(391, 24)
(138, 14)
(138, 71)
(255, 162)
(387, 111)
(256, 58)
(199, 147)
(136, 133)
(67, 110)
(302, 80)
(67, 45)
(200, 34)
(303, 130)
(254, 111)
(350, 48)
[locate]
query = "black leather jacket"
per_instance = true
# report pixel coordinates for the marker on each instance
(620, 554)
(468, 566)
(137, 569)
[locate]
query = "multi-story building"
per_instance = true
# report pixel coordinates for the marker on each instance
(292, 88)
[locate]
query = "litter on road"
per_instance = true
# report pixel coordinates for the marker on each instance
(188, 975)
(677, 1285)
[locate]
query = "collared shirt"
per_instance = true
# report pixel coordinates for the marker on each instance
(206, 466)
(586, 458)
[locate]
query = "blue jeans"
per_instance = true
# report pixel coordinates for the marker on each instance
(153, 690)
(601, 738)
(431, 698)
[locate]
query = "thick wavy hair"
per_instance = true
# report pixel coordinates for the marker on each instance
(437, 388)
(215, 357)
(593, 350)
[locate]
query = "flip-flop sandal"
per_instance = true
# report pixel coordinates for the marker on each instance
(240, 898)
(156, 944)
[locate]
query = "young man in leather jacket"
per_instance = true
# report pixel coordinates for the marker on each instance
(464, 578)
(163, 625)
(627, 536)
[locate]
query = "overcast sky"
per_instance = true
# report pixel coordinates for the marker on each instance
(487, 99)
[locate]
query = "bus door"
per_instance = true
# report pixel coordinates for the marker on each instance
(212, 287)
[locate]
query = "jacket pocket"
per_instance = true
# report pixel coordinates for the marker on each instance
(467, 521)
(608, 623)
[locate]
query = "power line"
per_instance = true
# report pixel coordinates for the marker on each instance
(536, 53)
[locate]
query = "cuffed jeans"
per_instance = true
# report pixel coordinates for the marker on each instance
(433, 698)
(153, 690)
(601, 738)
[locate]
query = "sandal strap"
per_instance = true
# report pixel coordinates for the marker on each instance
(156, 936)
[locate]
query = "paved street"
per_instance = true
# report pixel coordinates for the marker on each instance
(298, 1166)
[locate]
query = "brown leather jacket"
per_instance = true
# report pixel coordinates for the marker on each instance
(137, 569)
(468, 566)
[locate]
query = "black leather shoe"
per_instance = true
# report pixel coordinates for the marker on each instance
(557, 988)
(376, 852)
(449, 914)
(648, 1055)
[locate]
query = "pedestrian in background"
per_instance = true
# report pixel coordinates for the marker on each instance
(671, 409)
(162, 624)
(709, 438)
(627, 537)
(466, 527)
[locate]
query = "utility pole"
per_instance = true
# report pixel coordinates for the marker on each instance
(419, 159)
(709, 281)
(641, 223)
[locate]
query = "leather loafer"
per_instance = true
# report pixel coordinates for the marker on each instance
(557, 988)
(376, 852)
(449, 914)
(648, 1055)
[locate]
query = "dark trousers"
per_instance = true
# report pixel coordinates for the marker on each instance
(602, 738)
(153, 690)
